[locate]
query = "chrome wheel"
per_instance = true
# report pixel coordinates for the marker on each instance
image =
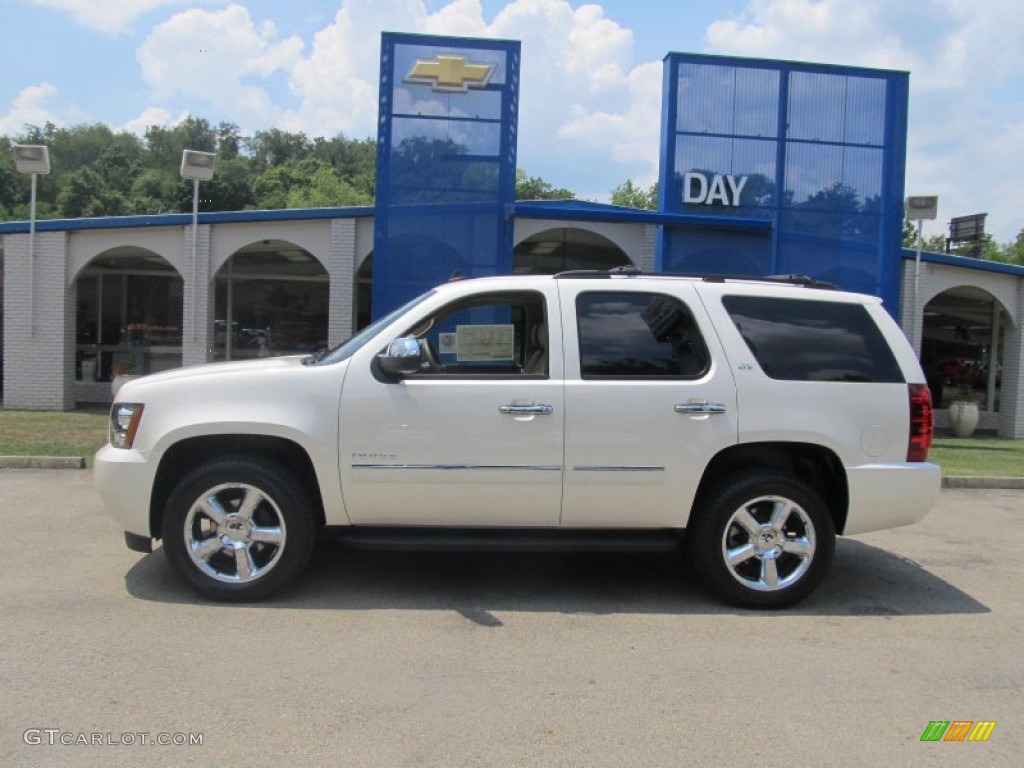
(235, 533)
(768, 543)
(761, 538)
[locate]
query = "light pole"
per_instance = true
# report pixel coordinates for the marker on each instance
(918, 209)
(33, 159)
(197, 166)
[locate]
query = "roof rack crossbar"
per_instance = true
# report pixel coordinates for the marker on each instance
(632, 271)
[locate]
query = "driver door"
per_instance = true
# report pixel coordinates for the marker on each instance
(475, 437)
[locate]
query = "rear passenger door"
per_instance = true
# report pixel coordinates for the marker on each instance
(649, 400)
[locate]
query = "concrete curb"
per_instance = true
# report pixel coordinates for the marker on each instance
(42, 462)
(984, 483)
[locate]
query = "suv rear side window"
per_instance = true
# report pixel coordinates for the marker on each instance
(799, 340)
(638, 335)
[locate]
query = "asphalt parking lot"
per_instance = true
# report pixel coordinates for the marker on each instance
(398, 659)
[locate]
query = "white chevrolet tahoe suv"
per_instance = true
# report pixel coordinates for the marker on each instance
(745, 422)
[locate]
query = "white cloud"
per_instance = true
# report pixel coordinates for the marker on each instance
(464, 18)
(30, 107)
(631, 136)
(151, 116)
(574, 57)
(337, 82)
(589, 116)
(210, 56)
(109, 15)
(970, 162)
(869, 33)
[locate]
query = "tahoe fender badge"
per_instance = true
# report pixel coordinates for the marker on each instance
(373, 456)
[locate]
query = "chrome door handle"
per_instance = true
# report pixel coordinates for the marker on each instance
(700, 408)
(527, 410)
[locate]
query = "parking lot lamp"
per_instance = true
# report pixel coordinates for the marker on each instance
(197, 166)
(918, 209)
(33, 159)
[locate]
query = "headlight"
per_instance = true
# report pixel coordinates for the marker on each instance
(124, 422)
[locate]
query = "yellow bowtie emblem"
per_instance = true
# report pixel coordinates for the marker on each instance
(450, 73)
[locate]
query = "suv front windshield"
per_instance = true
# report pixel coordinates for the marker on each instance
(346, 349)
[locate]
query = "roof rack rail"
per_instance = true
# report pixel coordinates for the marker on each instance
(804, 280)
(625, 269)
(632, 271)
(801, 280)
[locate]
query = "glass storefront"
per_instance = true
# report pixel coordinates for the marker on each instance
(962, 337)
(275, 298)
(558, 250)
(129, 316)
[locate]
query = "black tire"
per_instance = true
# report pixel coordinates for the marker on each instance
(775, 563)
(266, 529)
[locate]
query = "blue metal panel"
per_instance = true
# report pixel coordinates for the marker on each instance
(446, 151)
(820, 151)
(716, 250)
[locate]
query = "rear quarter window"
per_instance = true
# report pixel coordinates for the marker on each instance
(801, 340)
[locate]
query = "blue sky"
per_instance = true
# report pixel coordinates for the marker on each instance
(591, 82)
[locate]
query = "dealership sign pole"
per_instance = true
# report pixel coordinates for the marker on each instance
(918, 209)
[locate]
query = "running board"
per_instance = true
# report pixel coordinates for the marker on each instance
(507, 539)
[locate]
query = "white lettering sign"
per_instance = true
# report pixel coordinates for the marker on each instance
(721, 190)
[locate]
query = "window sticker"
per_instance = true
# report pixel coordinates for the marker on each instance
(485, 342)
(448, 343)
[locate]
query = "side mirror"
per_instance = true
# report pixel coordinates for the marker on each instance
(403, 357)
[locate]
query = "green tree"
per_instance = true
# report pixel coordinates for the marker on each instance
(909, 234)
(986, 248)
(154, 191)
(1014, 252)
(86, 194)
(630, 195)
(327, 188)
(277, 147)
(272, 185)
(11, 182)
(931, 243)
(535, 188)
(230, 189)
(229, 141)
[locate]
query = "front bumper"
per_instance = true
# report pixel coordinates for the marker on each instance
(123, 479)
(886, 496)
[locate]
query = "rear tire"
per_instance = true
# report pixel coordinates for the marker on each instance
(762, 539)
(238, 529)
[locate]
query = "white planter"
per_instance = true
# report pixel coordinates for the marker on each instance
(963, 418)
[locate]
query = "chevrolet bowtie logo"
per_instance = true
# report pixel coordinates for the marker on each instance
(450, 73)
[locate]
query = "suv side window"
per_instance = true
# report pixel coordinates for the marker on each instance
(800, 340)
(638, 335)
(499, 334)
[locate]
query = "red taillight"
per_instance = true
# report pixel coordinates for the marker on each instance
(920, 422)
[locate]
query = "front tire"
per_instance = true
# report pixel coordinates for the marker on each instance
(238, 529)
(763, 539)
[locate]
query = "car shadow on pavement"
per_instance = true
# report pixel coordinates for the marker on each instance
(863, 581)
